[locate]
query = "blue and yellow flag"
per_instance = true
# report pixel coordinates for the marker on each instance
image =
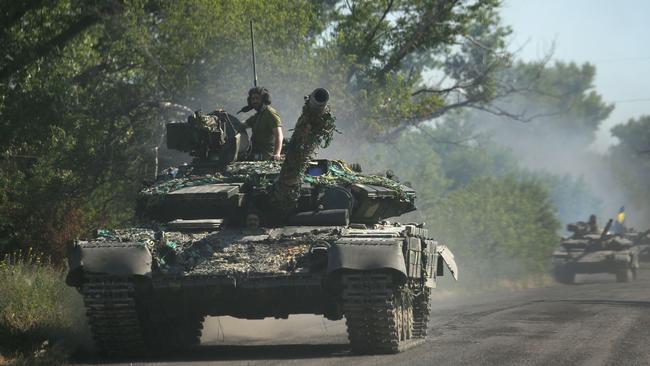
(621, 215)
(618, 228)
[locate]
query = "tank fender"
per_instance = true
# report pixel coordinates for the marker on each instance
(116, 258)
(367, 254)
(445, 255)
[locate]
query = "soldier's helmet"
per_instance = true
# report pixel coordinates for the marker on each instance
(261, 91)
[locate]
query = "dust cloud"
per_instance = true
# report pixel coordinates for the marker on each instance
(541, 147)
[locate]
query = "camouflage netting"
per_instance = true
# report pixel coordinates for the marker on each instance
(340, 173)
(233, 253)
(258, 173)
(264, 173)
(314, 128)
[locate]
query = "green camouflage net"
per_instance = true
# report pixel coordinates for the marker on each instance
(324, 138)
(264, 173)
(256, 173)
(233, 253)
(339, 173)
(314, 128)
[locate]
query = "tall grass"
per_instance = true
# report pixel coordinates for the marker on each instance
(41, 318)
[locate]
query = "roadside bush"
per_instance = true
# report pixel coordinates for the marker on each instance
(41, 318)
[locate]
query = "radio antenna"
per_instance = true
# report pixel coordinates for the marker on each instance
(253, 49)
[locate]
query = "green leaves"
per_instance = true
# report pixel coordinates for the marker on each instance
(499, 227)
(561, 97)
(630, 162)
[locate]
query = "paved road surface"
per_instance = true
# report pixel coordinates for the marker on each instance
(596, 322)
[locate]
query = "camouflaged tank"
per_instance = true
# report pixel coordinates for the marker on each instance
(640, 242)
(256, 239)
(589, 251)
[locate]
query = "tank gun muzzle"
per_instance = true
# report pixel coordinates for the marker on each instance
(318, 99)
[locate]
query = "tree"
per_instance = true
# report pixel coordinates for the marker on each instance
(631, 167)
(556, 103)
(498, 227)
(389, 47)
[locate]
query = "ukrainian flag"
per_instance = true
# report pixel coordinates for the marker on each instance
(621, 215)
(618, 228)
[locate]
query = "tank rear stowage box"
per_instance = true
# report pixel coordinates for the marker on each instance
(255, 239)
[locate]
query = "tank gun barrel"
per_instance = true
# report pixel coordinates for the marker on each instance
(314, 128)
(606, 229)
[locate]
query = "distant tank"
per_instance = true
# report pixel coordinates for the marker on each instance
(256, 239)
(641, 242)
(590, 251)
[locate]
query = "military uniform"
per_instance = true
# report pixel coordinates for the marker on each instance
(263, 124)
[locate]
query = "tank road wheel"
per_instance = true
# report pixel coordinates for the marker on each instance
(379, 314)
(564, 275)
(112, 315)
(421, 313)
(624, 275)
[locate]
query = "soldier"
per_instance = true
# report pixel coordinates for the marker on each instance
(266, 125)
(593, 224)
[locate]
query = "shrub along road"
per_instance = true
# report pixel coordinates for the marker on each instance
(595, 322)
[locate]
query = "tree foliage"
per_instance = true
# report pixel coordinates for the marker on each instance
(500, 227)
(630, 161)
(555, 102)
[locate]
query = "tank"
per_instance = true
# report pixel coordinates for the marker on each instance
(227, 236)
(589, 251)
(641, 242)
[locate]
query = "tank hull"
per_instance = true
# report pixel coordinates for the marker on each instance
(622, 263)
(387, 271)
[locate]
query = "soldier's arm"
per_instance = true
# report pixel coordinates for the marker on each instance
(277, 134)
(277, 149)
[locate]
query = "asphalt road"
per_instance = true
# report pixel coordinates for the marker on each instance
(595, 322)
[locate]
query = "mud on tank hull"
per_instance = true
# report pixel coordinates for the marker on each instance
(378, 279)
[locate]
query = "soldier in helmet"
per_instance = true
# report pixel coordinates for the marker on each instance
(265, 124)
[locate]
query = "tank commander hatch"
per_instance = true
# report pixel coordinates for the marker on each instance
(266, 125)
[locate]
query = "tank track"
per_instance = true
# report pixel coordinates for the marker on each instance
(375, 314)
(421, 313)
(119, 328)
(112, 315)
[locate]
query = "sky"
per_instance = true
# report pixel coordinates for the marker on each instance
(612, 35)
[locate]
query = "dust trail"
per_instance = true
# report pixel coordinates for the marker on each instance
(540, 146)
